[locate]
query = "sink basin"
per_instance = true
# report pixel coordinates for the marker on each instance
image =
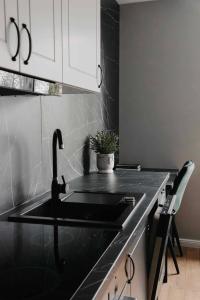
(83, 211)
(82, 208)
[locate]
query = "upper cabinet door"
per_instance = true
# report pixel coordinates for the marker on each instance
(41, 38)
(81, 43)
(9, 35)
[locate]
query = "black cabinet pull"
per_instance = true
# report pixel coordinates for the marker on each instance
(129, 279)
(100, 84)
(133, 266)
(30, 44)
(12, 20)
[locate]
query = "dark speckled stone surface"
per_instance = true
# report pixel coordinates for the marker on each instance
(150, 183)
(119, 181)
(59, 259)
(47, 262)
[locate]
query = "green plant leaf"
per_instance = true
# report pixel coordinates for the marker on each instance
(104, 142)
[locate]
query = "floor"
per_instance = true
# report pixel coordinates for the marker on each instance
(186, 285)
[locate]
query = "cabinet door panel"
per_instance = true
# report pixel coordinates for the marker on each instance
(82, 36)
(139, 282)
(81, 43)
(42, 28)
(43, 20)
(8, 35)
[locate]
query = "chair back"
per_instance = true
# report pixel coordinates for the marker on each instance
(181, 182)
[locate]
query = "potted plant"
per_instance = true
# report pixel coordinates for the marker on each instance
(105, 144)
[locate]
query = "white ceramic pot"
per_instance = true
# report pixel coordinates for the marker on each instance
(105, 163)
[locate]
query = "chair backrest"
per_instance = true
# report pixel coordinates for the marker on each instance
(181, 182)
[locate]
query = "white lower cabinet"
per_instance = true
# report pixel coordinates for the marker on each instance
(118, 282)
(130, 279)
(139, 284)
(81, 43)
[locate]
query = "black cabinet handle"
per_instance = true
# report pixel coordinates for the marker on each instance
(126, 271)
(133, 266)
(12, 20)
(129, 279)
(30, 44)
(100, 84)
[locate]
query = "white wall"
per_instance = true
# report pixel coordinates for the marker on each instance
(160, 93)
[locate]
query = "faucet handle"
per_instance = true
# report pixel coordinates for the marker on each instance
(63, 185)
(63, 179)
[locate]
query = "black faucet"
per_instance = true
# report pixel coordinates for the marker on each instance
(57, 188)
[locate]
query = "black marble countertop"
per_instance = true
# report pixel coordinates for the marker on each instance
(39, 262)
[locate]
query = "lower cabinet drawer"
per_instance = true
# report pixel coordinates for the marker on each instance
(139, 284)
(129, 281)
(118, 282)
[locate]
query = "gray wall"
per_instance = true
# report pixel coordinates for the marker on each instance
(27, 124)
(160, 93)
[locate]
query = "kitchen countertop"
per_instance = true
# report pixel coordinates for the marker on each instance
(172, 173)
(49, 258)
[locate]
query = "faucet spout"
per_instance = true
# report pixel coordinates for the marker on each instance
(57, 136)
(57, 188)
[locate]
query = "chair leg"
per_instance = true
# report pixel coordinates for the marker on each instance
(172, 236)
(158, 268)
(173, 255)
(175, 233)
(166, 266)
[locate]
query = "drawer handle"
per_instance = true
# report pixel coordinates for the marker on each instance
(129, 279)
(12, 20)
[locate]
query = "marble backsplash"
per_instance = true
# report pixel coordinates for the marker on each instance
(27, 124)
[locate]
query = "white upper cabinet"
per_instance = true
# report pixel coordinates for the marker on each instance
(41, 38)
(57, 40)
(9, 35)
(81, 43)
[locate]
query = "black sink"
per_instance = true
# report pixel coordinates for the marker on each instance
(82, 208)
(84, 211)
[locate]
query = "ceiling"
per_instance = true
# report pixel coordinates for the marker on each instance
(131, 1)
